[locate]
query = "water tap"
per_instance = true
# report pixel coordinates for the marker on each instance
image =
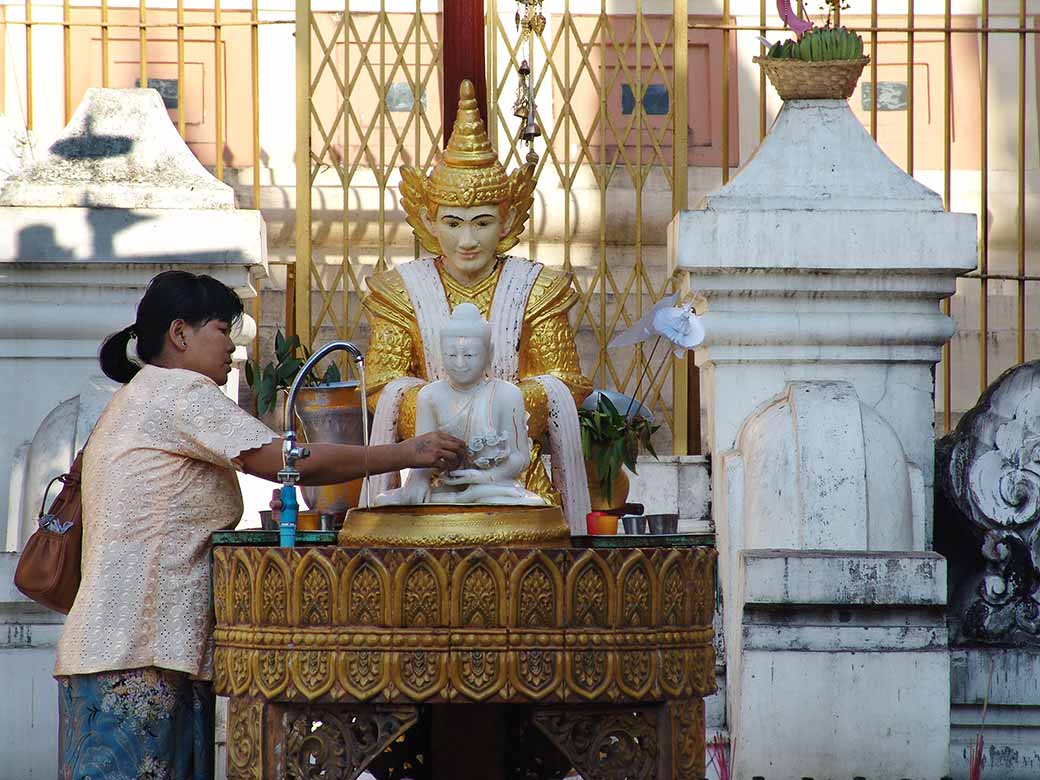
(289, 475)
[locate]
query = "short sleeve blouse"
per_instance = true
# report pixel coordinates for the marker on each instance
(158, 479)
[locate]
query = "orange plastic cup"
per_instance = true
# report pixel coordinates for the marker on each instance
(601, 523)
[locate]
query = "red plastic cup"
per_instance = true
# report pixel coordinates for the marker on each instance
(601, 523)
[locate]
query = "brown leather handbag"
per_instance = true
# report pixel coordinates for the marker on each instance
(49, 567)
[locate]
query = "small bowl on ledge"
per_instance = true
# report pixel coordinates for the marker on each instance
(667, 523)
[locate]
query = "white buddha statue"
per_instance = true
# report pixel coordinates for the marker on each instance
(488, 414)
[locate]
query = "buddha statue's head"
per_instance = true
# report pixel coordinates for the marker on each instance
(469, 210)
(466, 346)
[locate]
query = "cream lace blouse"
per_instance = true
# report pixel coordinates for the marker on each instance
(158, 479)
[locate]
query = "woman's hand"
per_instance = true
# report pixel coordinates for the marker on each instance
(464, 477)
(433, 450)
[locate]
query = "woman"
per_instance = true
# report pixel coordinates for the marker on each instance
(135, 656)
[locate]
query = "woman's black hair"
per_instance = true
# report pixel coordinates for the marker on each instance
(171, 295)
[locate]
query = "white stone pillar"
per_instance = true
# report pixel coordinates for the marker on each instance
(117, 198)
(822, 266)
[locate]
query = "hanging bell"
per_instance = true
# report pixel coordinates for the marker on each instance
(531, 131)
(522, 104)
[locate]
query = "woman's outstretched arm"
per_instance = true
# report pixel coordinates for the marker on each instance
(333, 463)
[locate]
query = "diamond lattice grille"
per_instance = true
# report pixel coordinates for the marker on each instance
(605, 101)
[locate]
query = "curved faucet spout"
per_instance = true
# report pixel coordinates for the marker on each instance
(290, 451)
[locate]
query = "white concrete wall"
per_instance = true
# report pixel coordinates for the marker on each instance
(29, 702)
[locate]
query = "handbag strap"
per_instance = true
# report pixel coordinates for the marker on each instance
(73, 477)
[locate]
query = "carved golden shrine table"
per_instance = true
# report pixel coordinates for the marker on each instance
(463, 662)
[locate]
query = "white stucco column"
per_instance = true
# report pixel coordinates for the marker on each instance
(822, 267)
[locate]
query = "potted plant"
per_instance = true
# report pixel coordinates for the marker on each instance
(271, 382)
(611, 438)
(818, 63)
(328, 410)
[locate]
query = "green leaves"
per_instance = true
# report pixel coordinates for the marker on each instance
(609, 440)
(280, 373)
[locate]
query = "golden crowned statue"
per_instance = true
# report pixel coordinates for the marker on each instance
(467, 214)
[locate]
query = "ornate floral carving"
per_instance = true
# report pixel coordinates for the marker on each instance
(636, 669)
(273, 597)
(537, 599)
(337, 744)
(272, 672)
(687, 725)
(540, 625)
(636, 595)
(589, 672)
(241, 594)
(536, 669)
(243, 739)
(590, 597)
(989, 470)
(604, 744)
(315, 597)
(419, 672)
(421, 598)
(365, 604)
(312, 673)
(478, 669)
(365, 670)
(673, 597)
(672, 672)
(238, 670)
(478, 606)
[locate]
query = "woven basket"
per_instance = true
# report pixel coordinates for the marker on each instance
(802, 80)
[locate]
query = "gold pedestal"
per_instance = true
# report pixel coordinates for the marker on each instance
(442, 525)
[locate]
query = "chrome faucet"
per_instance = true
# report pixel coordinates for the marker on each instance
(289, 475)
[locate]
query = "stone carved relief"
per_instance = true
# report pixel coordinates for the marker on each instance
(337, 744)
(989, 470)
(604, 744)
(243, 739)
(687, 726)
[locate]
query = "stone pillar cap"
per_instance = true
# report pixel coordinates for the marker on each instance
(120, 150)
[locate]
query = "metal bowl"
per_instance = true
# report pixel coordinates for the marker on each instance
(663, 523)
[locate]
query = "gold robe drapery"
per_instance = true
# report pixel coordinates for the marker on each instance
(395, 347)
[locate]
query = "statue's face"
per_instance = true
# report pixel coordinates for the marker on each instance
(465, 359)
(468, 237)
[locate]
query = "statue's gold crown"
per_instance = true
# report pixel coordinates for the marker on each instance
(468, 174)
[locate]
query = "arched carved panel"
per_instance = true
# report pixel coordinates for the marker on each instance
(239, 670)
(241, 590)
(312, 673)
(672, 670)
(313, 591)
(272, 596)
(637, 593)
(478, 593)
(675, 607)
(420, 674)
(536, 592)
(536, 672)
(590, 593)
(365, 592)
(271, 672)
(421, 592)
(589, 672)
(364, 673)
(636, 672)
